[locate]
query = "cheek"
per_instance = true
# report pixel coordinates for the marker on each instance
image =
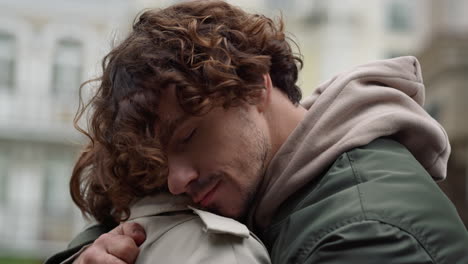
(220, 157)
(222, 144)
(216, 143)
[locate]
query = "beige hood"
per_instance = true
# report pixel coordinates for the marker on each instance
(382, 98)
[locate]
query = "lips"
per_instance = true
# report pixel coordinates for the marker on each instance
(209, 197)
(204, 197)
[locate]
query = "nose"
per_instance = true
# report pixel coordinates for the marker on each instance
(181, 174)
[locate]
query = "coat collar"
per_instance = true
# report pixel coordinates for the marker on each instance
(159, 204)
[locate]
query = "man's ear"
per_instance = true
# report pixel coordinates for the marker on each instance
(265, 97)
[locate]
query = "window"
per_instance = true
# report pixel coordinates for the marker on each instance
(398, 17)
(7, 61)
(5, 207)
(67, 68)
(57, 215)
(3, 178)
(56, 196)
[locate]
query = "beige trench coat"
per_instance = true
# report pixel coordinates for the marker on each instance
(177, 233)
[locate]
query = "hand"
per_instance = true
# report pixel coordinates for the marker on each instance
(119, 246)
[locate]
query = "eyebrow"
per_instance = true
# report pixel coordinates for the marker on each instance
(168, 128)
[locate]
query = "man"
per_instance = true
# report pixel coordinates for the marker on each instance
(203, 94)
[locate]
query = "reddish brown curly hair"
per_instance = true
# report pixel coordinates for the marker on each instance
(212, 52)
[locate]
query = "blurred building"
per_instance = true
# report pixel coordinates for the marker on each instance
(335, 35)
(47, 48)
(444, 61)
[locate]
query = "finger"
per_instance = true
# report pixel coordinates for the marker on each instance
(133, 230)
(96, 255)
(124, 248)
(109, 259)
(120, 246)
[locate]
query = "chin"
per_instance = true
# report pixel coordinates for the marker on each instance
(235, 214)
(238, 214)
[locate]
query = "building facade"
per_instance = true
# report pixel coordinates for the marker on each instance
(444, 61)
(47, 48)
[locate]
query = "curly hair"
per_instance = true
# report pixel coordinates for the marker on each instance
(212, 52)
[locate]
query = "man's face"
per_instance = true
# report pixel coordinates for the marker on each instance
(219, 158)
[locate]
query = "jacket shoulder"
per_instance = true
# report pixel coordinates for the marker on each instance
(394, 188)
(365, 241)
(191, 239)
(380, 182)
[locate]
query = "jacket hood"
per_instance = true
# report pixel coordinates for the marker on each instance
(378, 99)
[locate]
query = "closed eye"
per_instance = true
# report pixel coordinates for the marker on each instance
(189, 137)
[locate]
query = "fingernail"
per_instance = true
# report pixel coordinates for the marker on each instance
(138, 231)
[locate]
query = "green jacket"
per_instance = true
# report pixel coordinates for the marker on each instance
(375, 204)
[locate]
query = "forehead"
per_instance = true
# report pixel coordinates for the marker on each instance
(170, 114)
(169, 108)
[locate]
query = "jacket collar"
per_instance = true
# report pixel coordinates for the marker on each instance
(159, 204)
